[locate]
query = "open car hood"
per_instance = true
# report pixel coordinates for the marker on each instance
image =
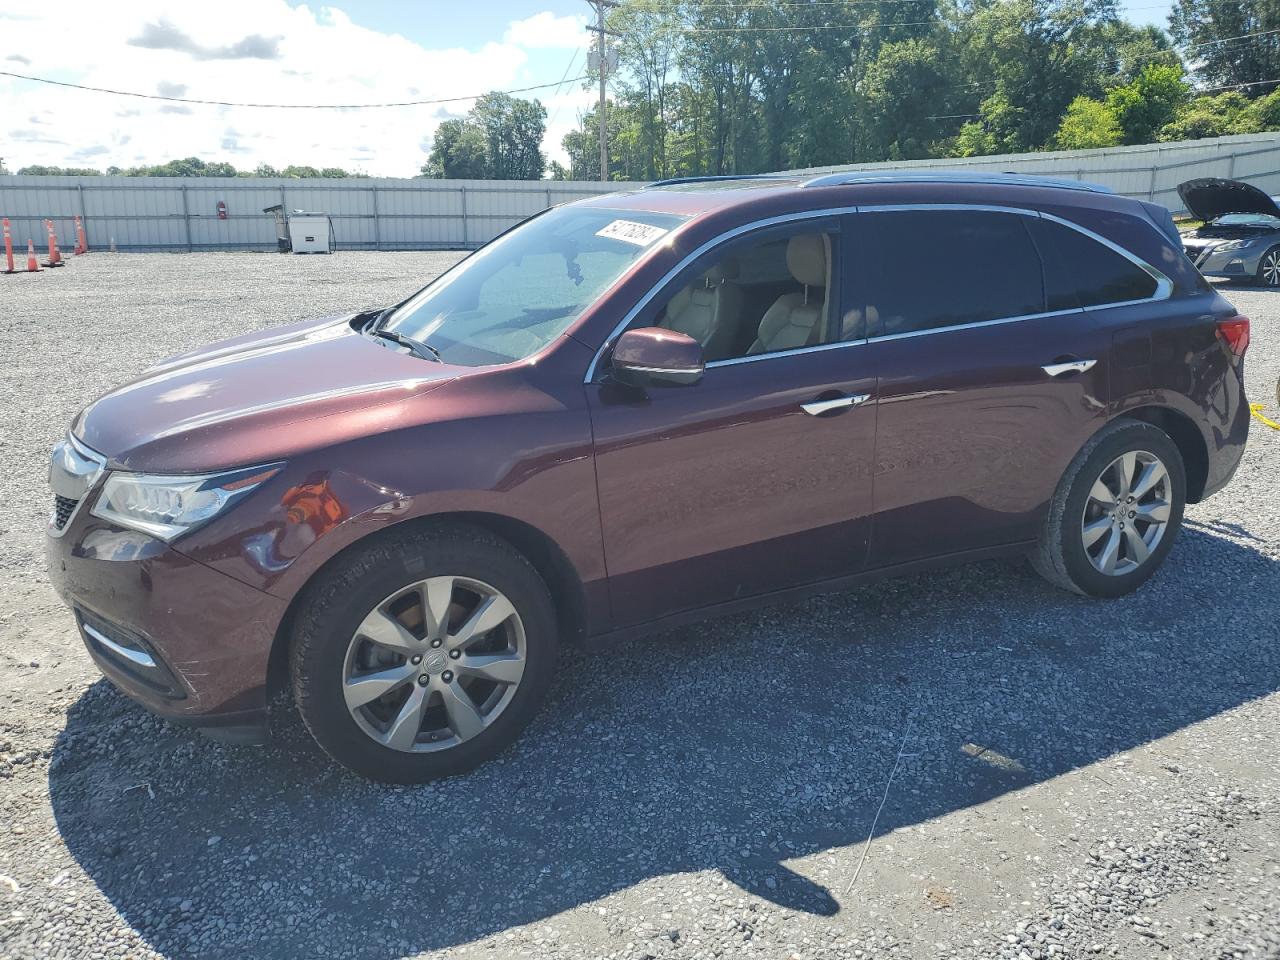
(1210, 197)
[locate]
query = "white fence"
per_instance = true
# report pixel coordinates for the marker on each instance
(1148, 172)
(167, 213)
(182, 213)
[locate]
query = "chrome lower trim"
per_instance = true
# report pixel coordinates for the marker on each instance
(136, 657)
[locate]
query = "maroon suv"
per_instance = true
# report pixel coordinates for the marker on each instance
(630, 412)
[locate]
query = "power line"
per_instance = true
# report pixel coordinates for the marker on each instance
(278, 106)
(556, 93)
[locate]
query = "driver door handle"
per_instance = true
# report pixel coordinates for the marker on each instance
(816, 407)
(1069, 366)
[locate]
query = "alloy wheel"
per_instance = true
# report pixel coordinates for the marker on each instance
(434, 664)
(1126, 513)
(1271, 268)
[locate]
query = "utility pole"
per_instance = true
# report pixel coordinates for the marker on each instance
(602, 65)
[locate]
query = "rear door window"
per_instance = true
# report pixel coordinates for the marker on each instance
(1080, 271)
(942, 268)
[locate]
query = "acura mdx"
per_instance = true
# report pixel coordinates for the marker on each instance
(630, 412)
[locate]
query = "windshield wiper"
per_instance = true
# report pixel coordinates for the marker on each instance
(424, 351)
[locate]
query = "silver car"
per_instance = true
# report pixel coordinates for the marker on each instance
(1240, 237)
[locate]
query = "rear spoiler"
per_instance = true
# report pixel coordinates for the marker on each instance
(1163, 220)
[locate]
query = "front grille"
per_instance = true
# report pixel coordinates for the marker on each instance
(63, 507)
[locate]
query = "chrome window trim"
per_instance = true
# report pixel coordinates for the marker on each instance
(794, 351)
(1164, 286)
(975, 324)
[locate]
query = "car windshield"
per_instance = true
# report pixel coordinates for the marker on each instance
(514, 296)
(1249, 219)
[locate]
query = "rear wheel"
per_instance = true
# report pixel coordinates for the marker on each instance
(1116, 512)
(420, 657)
(1269, 268)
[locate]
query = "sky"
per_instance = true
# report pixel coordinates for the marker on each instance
(351, 51)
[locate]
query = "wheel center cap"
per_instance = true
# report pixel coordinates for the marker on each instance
(434, 662)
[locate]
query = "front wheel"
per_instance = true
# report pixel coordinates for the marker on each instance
(1116, 512)
(1269, 268)
(424, 654)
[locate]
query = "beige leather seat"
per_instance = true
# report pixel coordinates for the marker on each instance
(709, 310)
(796, 319)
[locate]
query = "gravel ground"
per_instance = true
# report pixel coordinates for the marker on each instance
(1069, 778)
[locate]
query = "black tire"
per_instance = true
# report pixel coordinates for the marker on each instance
(1268, 274)
(341, 597)
(1061, 556)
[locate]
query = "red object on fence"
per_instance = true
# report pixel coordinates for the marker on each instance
(55, 258)
(82, 245)
(8, 247)
(32, 266)
(221, 209)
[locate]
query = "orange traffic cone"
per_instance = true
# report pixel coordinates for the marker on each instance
(82, 245)
(32, 266)
(8, 247)
(55, 258)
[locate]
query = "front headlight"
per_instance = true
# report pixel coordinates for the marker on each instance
(169, 506)
(1231, 245)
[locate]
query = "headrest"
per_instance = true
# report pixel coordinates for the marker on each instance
(726, 269)
(807, 259)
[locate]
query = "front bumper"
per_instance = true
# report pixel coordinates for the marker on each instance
(1240, 263)
(187, 642)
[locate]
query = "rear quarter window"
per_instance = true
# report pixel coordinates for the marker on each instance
(1080, 271)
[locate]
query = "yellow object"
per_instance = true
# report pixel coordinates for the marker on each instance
(1256, 409)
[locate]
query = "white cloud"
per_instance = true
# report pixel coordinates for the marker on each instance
(546, 30)
(217, 52)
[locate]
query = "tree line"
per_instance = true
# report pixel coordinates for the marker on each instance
(714, 88)
(189, 167)
(707, 87)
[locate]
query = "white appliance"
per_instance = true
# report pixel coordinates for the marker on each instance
(310, 233)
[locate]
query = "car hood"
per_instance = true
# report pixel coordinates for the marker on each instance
(1210, 197)
(257, 398)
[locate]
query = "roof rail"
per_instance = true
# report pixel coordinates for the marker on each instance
(673, 181)
(951, 176)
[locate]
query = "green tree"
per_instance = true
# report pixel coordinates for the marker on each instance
(1215, 116)
(500, 138)
(40, 170)
(458, 152)
(1252, 61)
(513, 130)
(905, 91)
(1087, 123)
(1148, 103)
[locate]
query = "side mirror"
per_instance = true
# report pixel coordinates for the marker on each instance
(653, 355)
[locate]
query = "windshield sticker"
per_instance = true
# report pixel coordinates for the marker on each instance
(628, 231)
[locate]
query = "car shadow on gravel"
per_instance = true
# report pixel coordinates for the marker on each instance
(742, 746)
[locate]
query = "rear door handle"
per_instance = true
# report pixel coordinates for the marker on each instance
(1070, 366)
(816, 407)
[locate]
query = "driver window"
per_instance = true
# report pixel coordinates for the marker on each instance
(758, 297)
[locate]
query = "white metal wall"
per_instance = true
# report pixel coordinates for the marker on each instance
(170, 213)
(166, 213)
(1148, 172)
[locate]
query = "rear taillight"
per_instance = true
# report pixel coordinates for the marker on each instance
(1234, 332)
